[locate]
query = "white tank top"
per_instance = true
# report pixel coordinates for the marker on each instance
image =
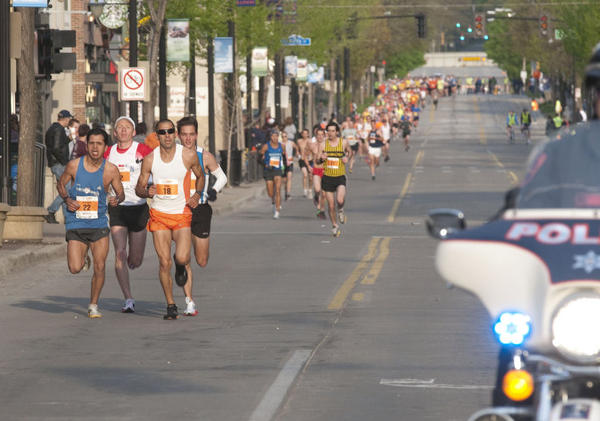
(168, 177)
(129, 165)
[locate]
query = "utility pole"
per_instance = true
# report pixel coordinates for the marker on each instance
(210, 50)
(133, 52)
(5, 95)
(162, 73)
(249, 88)
(192, 93)
(338, 93)
(277, 89)
(347, 87)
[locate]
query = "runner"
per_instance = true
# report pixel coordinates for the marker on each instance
(375, 145)
(171, 212)
(272, 155)
(335, 155)
(405, 126)
(303, 162)
(291, 150)
(187, 128)
(386, 133)
(128, 220)
(316, 149)
(525, 123)
(86, 219)
(350, 135)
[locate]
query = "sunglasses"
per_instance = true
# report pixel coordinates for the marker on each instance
(165, 131)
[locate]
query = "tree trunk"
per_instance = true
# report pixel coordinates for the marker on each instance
(157, 14)
(29, 110)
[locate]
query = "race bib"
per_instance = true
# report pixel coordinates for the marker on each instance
(333, 163)
(88, 207)
(125, 174)
(167, 189)
(274, 161)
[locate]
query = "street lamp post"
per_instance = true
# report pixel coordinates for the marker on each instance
(133, 51)
(4, 97)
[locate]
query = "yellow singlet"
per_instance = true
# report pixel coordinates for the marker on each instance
(334, 167)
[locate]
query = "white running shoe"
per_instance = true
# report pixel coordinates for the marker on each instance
(86, 263)
(341, 216)
(336, 231)
(276, 215)
(129, 306)
(191, 309)
(93, 312)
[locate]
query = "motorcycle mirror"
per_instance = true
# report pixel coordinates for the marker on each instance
(442, 222)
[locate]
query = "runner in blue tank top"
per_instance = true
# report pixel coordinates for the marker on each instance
(86, 220)
(274, 158)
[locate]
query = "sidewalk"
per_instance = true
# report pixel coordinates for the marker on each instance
(16, 255)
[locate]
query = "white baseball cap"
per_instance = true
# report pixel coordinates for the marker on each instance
(124, 117)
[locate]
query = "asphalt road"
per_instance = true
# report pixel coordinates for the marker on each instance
(294, 324)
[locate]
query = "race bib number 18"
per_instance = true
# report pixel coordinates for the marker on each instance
(88, 207)
(167, 189)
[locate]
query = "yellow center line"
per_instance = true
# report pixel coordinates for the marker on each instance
(342, 293)
(511, 174)
(384, 252)
(358, 296)
(409, 176)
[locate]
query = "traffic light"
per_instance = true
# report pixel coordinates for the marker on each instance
(469, 29)
(479, 25)
(458, 25)
(50, 59)
(420, 25)
(462, 37)
(544, 25)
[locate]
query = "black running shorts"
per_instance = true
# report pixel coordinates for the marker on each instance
(86, 235)
(269, 174)
(330, 184)
(201, 217)
(135, 218)
(289, 168)
(354, 147)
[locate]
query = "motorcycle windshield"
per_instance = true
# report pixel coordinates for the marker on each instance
(565, 173)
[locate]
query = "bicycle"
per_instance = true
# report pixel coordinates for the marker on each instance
(526, 133)
(511, 134)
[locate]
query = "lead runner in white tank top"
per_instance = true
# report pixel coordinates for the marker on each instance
(168, 177)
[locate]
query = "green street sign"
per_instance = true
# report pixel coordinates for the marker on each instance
(558, 34)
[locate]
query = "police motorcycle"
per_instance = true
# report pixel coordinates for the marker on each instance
(536, 269)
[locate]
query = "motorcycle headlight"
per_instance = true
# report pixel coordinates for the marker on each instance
(576, 328)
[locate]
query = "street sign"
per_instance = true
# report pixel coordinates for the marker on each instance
(296, 40)
(132, 83)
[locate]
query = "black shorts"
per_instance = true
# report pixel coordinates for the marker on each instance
(405, 133)
(135, 218)
(86, 235)
(269, 174)
(354, 147)
(330, 184)
(289, 168)
(201, 217)
(302, 164)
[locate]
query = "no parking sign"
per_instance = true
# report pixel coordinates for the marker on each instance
(132, 83)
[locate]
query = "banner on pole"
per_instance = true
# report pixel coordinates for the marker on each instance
(260, 61)
(291, 66)
(245, 3)
(178, 40)
(30, 3)
(223, 54)
(302, 71)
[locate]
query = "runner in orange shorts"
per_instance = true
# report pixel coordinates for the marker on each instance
(171, 209)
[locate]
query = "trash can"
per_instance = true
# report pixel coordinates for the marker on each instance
(235, 175)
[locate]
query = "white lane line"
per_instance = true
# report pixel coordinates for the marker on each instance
(430, 384)
(270, 403)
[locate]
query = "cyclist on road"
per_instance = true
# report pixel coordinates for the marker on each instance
(525, 123)
(511, 121)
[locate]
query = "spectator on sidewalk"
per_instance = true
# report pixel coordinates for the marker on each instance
(290, 129)
(57, 152)
(80, 146)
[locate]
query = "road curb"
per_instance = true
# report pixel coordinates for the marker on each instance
(30, 256)
(238, 203)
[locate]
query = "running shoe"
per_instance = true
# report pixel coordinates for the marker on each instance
(341, 216)
(316, 199)
(129, 306)
(373, 177)
(93, 312)
(86, 263)
(276, 215)
(386, 159)
(287, 196)
(350, 170)
(336, 231)
(321, 215)
(172, 313)
(190, 309)
(180, 273)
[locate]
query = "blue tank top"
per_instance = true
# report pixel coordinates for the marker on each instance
(88, 190)
(274, 156)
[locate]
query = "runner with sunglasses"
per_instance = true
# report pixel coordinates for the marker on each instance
(171, 210)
